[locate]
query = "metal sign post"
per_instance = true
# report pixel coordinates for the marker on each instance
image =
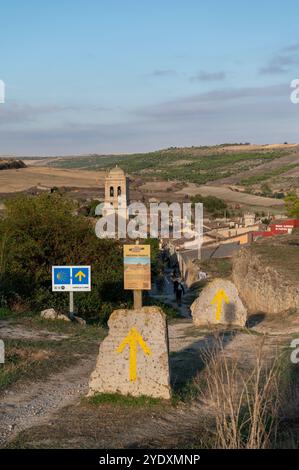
(71, 303)
(71, 279)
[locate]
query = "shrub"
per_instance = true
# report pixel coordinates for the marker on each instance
(292, 205)
(39, 232)
(215, 206)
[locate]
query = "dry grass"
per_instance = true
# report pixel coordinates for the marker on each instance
(245, 401)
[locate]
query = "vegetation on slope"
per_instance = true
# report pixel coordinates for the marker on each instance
(11, 164)
(292, 205)
(195, 164)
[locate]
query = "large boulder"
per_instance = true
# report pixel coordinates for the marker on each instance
(266, 274)
(133, 359)
(219, 304)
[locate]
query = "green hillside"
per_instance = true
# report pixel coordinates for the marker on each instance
(193, 164)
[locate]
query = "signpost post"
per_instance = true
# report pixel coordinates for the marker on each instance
(71, 279)
(71, 303)
(137, 271)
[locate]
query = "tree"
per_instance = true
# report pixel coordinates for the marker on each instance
(39, 232)
(266, 190)
(292, 205)
(212, 204)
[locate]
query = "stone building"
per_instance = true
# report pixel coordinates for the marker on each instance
(116, 191)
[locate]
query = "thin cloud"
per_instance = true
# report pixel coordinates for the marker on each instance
(291, 48)
(162, 73)
(11, 113)
(203, 76)
(209, 102)
(281, 62)
(260, 120)
(14, 113)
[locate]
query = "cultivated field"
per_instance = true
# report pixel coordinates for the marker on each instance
(229, 195)
(235, 173)
(46, 177)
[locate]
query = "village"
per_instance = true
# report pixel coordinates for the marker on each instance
(149, 233)
(221, 237)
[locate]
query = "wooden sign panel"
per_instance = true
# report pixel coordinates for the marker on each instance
(137, 267)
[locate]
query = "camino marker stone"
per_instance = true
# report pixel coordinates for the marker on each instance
(219, 303)
(133, 359)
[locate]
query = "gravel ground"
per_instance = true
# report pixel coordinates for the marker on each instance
(26, 405)
(29, 404)
(45, 403)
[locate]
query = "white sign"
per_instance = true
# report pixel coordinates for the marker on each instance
(71, 278)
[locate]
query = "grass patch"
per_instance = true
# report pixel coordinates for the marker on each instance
(38, 358)
(186, 393)
(217, 267)
(123, 400)
(5, 313)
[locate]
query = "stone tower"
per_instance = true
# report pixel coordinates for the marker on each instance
(116, 190)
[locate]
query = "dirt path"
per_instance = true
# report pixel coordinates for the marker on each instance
(27, 405)
(51, 413)
(166, 295)
(12, 331)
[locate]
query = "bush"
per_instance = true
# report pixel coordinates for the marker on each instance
(215, 206)
(292, 205)
(39, 232)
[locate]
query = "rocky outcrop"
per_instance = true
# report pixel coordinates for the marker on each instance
(11, 164)
(266, 274)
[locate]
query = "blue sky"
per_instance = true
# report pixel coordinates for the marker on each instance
(104, 76)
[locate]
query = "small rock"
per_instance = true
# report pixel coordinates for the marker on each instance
(63, 317)
(80, 320)
(49, 314)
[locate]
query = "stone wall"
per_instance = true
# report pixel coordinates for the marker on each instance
(266, 274)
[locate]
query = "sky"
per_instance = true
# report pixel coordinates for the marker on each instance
(118, 76)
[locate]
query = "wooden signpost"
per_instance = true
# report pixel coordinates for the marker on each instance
(137, 271)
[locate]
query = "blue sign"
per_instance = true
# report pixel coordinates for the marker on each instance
(62, 276)
(80, 276)
(71, 278)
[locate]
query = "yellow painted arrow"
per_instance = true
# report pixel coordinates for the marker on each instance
(80, 275)
(132, 339)
(219, 297)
